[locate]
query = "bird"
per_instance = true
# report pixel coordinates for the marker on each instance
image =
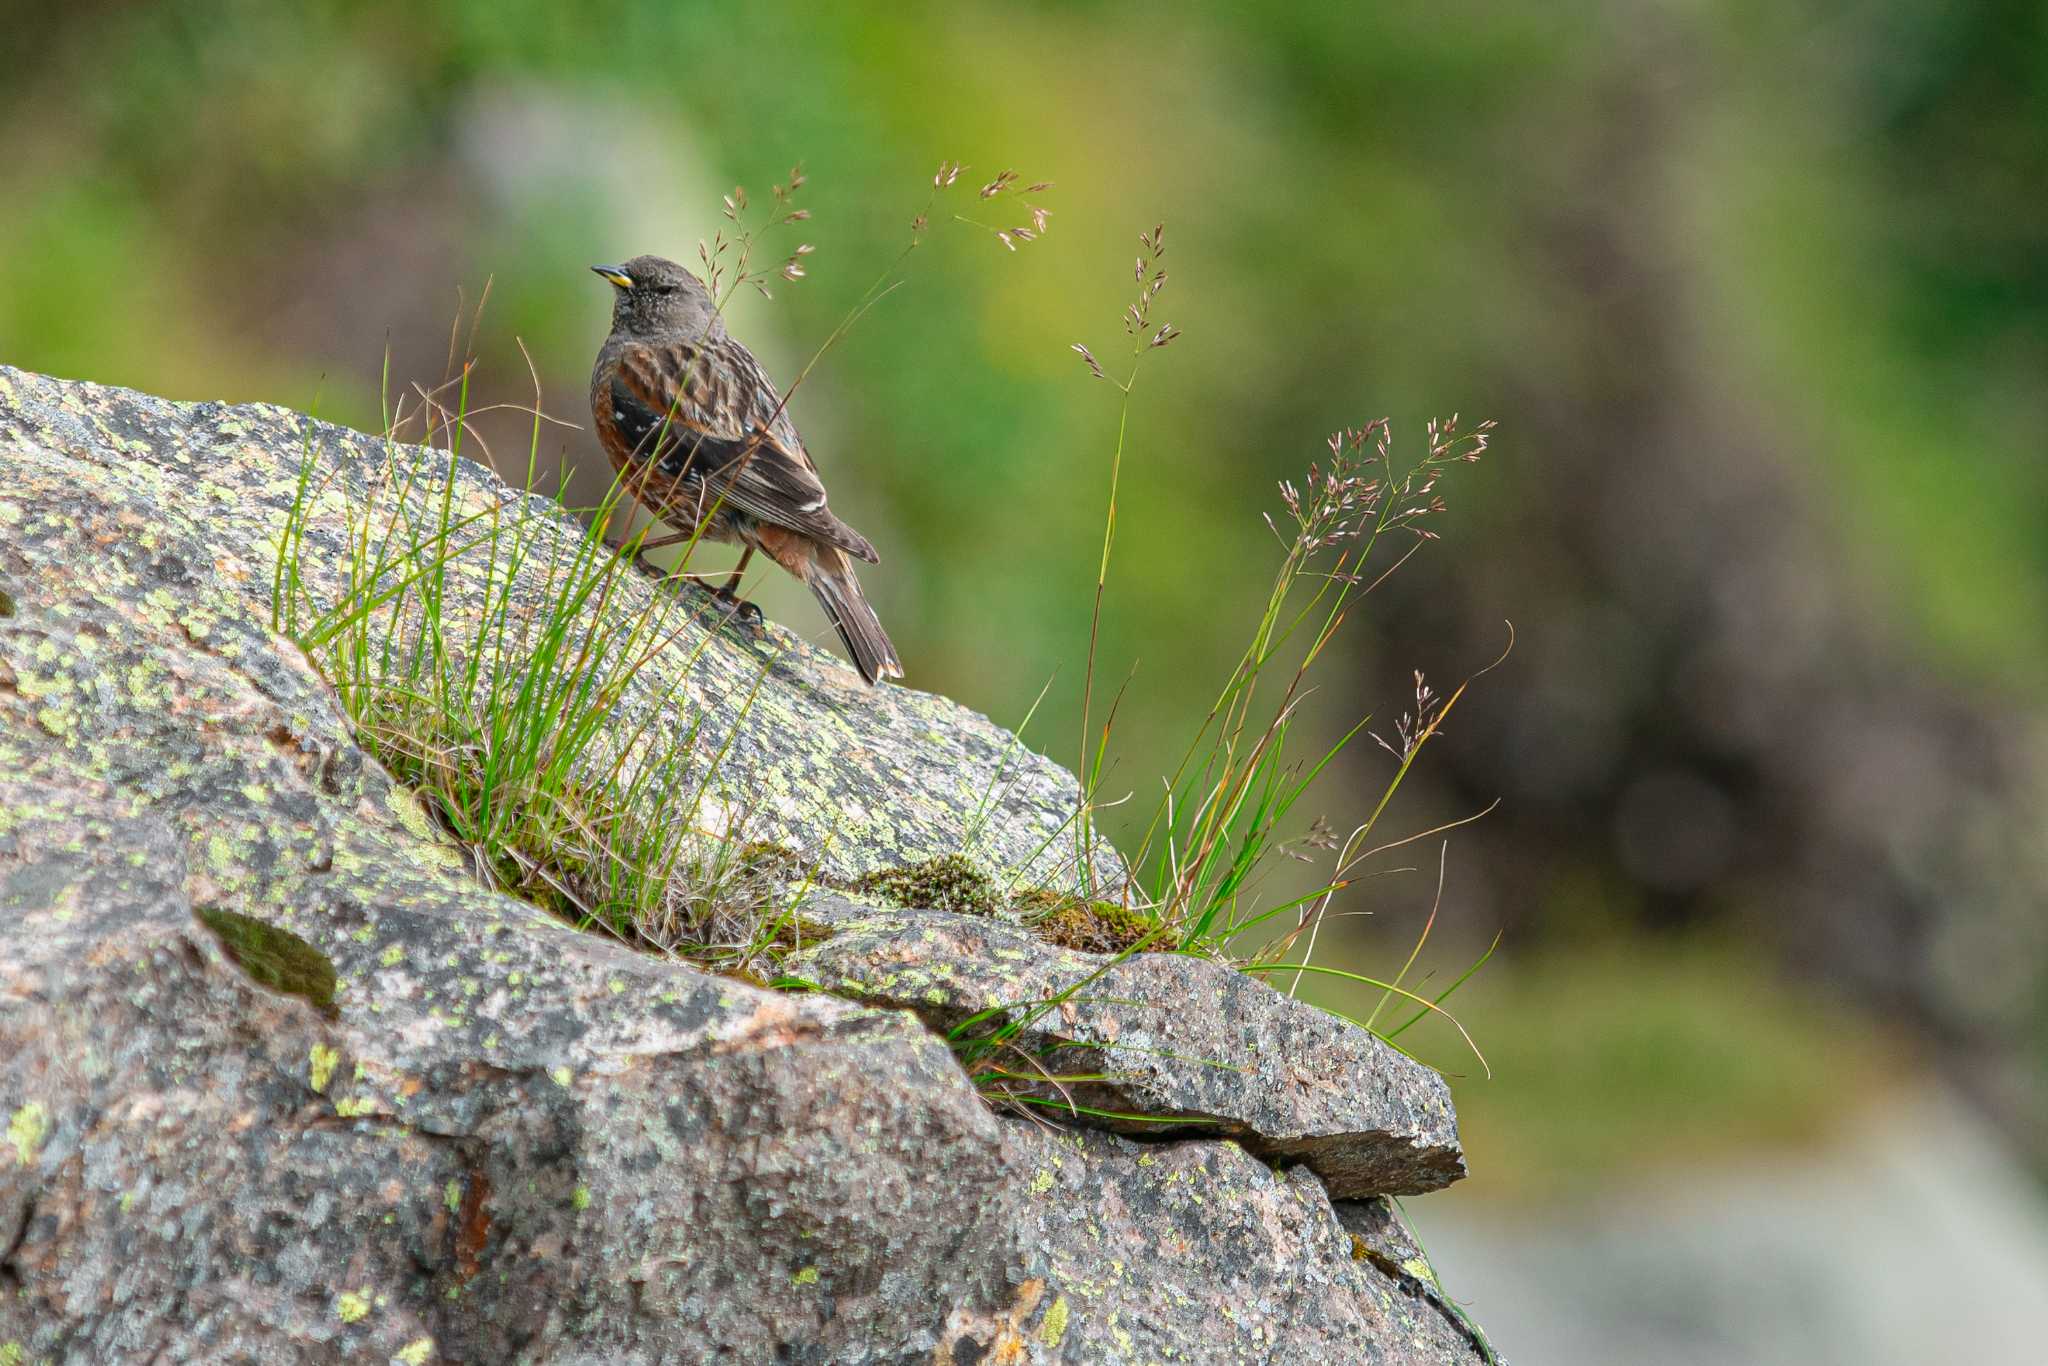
(700, 437)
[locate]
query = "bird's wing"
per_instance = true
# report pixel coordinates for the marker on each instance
(726, 426)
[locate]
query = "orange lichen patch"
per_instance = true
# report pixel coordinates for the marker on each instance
(473, 1226)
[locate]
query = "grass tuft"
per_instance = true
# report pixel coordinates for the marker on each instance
(505, 706)
(1203, 862)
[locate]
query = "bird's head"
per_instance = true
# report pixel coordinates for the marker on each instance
(655, 297)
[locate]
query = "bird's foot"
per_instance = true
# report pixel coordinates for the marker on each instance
(727, 602)
(733, 605)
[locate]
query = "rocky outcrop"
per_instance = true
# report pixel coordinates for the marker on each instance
(282, 1081)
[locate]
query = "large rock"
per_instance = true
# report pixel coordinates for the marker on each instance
(282, 1081)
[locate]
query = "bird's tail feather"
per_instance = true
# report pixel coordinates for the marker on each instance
(838, 592)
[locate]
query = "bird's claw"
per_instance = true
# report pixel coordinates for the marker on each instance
(733, 605)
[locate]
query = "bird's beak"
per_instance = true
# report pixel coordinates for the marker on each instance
(615, 275)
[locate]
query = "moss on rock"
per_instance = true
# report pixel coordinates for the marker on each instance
(953, 883)
(947, 883)
(1090, 926)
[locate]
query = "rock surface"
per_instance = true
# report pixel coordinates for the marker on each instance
(1195, 1046)
(282, 1082)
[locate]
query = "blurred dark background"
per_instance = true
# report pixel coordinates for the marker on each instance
(1758, 293)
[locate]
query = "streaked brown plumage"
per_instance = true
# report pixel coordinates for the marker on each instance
(699, 436)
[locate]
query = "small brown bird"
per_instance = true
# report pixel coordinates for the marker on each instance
(700, 437)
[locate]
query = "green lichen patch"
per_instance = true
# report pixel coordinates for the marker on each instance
(1090, 926)
(274, 957)
(1052, 1329)
(949, 883)
(26, 1130)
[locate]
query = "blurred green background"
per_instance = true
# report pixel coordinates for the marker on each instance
(1758, 293)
